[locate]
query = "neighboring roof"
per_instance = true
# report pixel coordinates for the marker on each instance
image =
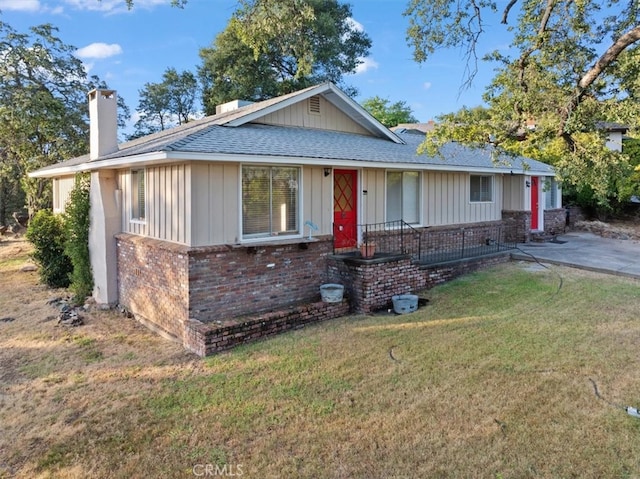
(231, 136)
(612, 126)
(421, 127)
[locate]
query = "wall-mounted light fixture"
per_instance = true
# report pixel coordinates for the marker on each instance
(327, 171)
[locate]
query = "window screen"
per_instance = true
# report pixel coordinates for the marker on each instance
(269, 201)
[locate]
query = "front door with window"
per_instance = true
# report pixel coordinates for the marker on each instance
(345, 211)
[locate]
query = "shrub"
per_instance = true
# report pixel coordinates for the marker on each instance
(76, 225)
(46, 233)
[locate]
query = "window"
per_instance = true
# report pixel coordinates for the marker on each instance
(269, 201)
(137, 195)
(403, 196)
(480, 188)
(551, 193)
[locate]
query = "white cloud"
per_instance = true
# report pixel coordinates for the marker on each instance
(367, 64)
(21, 5)
(355, 25)
(113, 6)
(426, 85)
(99, 50)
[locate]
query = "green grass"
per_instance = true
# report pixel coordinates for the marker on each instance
(490, 379)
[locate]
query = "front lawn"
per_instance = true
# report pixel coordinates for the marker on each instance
(493, 378)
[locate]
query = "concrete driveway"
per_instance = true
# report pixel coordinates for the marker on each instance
(586, 251)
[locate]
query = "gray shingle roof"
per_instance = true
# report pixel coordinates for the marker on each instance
(230, 134)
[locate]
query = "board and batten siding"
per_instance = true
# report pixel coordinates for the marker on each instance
(514, 193)
(62, 187)
(445, 199)
(167, 208)
(216, 203)
(215, 197)
(372, 203)
(328, 118)
(317, 200)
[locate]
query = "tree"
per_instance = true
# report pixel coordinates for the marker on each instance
(274, 47)
(166, 104)
(575, 65)
(43, 109)
(389, 114)
(76, 221)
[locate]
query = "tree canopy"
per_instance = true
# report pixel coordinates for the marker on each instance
(387, 113)
(274, 47)
(166, 104)
(571, 65)
(43, 111)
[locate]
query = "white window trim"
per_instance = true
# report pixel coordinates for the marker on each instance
(276, 238)
(493, 188)
(133, 219)
(420, 197)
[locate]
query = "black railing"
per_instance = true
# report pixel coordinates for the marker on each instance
(440, 246)
(426, 245)
(380, 239)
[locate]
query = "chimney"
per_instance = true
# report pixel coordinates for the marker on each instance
(231, 105)
(103, 123)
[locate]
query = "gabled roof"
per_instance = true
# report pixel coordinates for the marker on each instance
(231, 136)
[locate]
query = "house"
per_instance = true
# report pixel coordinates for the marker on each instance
(615, 133)
(239, 213)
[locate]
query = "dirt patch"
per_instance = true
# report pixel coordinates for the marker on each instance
(616, 229)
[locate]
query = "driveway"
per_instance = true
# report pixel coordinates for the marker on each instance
(586, 251)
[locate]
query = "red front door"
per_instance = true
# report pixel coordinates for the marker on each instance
(345, 211)
(535, 205)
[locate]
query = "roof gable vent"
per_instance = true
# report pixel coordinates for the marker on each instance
(314, 105)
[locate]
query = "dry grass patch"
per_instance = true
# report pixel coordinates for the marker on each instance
(491, 379)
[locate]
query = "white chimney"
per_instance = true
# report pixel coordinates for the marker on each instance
(103, 123)
(231, 105)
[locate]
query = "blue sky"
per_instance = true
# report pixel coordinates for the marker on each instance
(128, 48)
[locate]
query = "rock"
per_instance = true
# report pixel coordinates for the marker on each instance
(70, 318)
(7, 319)
(27, 268)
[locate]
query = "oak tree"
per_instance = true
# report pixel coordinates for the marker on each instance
(274, 47)
(571, 66)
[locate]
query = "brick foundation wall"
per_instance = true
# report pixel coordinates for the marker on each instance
(517, 225)
(436, 274)
(233, 281)
(555, 221)
(153, 282)
(205, 339)
(370, 284)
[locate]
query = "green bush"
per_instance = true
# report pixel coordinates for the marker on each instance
(46, 233)
(76, 225)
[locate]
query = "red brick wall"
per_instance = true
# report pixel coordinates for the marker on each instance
(370, 284)
(205, 339)
(234, 281)
(555, 221)
(517, 225)
(153, 282)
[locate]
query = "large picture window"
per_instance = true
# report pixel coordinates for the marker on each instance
(480, 188)
(403, 196)
(270, 199)
(138, 197)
